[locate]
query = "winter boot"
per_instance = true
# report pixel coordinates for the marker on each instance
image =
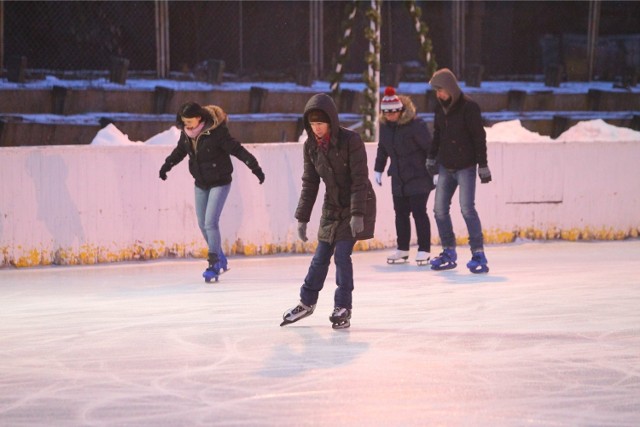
(478, 263)
(340, 318)
(445, 261)
(422, 258)
(296, 313)
(213, 271)
(398, 257)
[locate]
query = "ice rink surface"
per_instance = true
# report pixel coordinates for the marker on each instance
(550, 337)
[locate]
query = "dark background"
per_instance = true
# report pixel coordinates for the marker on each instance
(268, 39)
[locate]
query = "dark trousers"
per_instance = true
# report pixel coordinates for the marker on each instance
(416, 206)
(319, 268)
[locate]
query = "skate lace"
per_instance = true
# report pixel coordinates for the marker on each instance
(298, 309)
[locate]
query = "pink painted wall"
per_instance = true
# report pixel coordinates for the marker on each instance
(88, 204)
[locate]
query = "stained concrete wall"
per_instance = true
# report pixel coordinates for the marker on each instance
(89, 204)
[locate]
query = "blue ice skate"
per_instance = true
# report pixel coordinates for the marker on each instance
(445, 261)
(211, 274)
(222, 265)
(213, 271)
(478, 263)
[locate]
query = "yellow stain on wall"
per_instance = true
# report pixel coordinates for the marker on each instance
(90, 254)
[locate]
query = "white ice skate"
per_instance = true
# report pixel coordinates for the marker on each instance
(296, 313)
(398, 257)
(422, 258)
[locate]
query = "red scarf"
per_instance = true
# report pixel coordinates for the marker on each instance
(323, 143)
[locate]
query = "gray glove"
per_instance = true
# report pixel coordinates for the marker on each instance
(378, 176)
(302, 231)
(485, 174)
(432, 167)
(357, 224)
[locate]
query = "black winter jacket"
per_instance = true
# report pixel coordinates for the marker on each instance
(407, 142)
(343, 169)
(459, 138)
(209, 155)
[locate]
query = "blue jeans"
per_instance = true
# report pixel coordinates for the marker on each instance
(448, 181)
(319, 268)
(209, 204)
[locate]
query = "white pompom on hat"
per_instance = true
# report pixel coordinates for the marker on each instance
(390, 102)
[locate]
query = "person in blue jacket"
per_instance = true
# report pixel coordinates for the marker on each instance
(406, 140)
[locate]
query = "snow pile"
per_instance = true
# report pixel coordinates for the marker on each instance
(597, 130)
(509, 131)
(513, 131)
(168, 137)
(112, 136)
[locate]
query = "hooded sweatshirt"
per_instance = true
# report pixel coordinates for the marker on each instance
(459, 138)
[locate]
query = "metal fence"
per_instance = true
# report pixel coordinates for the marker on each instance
(255, 39)
(270, 39)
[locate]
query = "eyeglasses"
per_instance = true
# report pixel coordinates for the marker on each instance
(390, 112)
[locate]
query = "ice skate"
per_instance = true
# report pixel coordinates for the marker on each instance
(422, 258)
(296, 313)
(445, 261)
(478, 263)
(213, 271)
(340, 318)
(398, 257)
(222, 264)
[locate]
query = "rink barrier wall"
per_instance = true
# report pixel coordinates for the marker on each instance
(76, 205)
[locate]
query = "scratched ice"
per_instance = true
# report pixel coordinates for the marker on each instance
(550, 337)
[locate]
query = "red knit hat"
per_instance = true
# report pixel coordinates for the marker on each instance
(390, 101)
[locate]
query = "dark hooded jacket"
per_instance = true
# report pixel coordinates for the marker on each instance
(343, 169)
(407, 142)
(209, 154)
(459, 138)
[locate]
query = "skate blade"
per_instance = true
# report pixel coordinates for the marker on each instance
(480, 269)
(343, 325)
(444, 267)
(423, 263)
(397, 261)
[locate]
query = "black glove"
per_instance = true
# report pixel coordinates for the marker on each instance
(357, 224)
(485, 174)
(302, 231)
(258, 172)
(432, 167)
(163, 171)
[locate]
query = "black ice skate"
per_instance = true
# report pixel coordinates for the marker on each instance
(340, 318)
(398, 257)
(296, 313)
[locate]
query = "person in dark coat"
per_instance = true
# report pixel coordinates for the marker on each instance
(459, 149)
(205, 138)
(406, 140)
(337, 157)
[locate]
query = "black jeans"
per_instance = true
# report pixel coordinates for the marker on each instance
(416, 206)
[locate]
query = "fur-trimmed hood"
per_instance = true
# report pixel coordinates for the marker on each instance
(408, 114)
(218, 117)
